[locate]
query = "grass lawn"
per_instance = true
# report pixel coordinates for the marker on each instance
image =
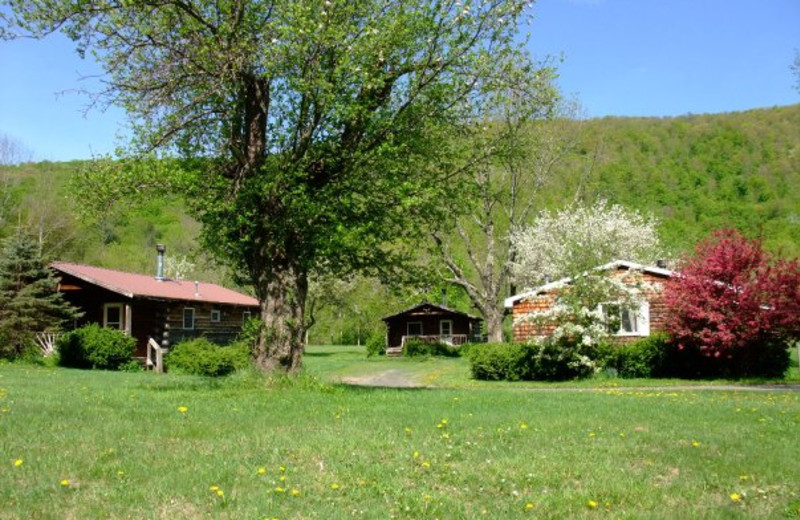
(92, 444)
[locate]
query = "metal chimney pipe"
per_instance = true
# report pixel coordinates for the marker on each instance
(196, 289)
(444, 297)
(160, 249)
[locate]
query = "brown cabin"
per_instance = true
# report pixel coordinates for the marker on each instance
(635, 323)
(145, 307)
(430, 322)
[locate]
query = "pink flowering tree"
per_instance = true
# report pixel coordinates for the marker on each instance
(735, 309)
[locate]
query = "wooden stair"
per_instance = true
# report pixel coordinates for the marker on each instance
(394, 351)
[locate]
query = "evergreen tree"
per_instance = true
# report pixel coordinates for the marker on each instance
(29, 302)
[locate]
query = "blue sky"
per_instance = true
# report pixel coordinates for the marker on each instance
(621, 58)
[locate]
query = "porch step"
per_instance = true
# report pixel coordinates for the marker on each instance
(394, 351)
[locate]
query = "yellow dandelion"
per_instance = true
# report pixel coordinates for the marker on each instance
(591, 504)
(282, 478)
(529, 506)
(183, 409)
(213, 488)
(426, 464)
(736, 497)
(695, 444)
(64, 482)
(281, 468)
(18, 463)
(295, 492)
(334, 486)
(407, 429)
(279, 489)
(120, 473)
(444, 421)
(416, 455)
(744, 478)
(523, 426)
(262, 471)
(220, 493)
(426, 497)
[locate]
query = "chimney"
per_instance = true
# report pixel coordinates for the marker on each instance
(160, 249)
(661, 263)
(444, 297)
(196, 289)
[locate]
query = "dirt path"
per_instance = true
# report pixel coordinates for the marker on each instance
(386, 379)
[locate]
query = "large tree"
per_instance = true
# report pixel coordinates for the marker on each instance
(521, 147)
(325, 128)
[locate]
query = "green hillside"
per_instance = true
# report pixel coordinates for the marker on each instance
(699, 173)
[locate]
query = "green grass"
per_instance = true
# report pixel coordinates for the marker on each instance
(128, 452)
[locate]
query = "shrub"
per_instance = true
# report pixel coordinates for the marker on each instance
(203, 358)
(94, 346)
(376, 344)
(500, 361)
(550, 360)
(644, 358)
(416, 347)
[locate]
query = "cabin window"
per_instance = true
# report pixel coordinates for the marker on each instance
(446, 328)
(630, 320)
(246, 316)
(414, 328)
(216, 315)
(113, 316)
(188, 318)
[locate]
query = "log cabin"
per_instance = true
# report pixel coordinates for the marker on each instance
(154, 308)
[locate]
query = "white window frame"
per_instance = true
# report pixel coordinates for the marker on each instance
(216, 315)
(408, 328)
(642, 320)
(110, 325)
(449, 326)
(246, 315)
(184, 318)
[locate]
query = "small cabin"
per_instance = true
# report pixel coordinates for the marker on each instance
(154, 307)
(430, 323)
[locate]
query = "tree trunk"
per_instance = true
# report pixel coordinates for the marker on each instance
(279, 346)
(494, 323)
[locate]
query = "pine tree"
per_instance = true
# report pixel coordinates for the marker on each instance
(29, 301)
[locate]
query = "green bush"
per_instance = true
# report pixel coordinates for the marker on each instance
(550, 360)
(376, 344)
(561, 360)
(415, 347)
(643, 358)
(203, 358)
(501, 361)
(94, 346)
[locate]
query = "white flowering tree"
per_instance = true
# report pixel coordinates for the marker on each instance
(580, 237)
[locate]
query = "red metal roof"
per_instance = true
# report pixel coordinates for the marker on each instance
(140, 285)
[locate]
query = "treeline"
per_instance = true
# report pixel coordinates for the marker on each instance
(696, 173)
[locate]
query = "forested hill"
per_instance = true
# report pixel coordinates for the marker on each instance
(698, 172)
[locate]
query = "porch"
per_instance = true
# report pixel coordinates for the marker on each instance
(448, 339)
